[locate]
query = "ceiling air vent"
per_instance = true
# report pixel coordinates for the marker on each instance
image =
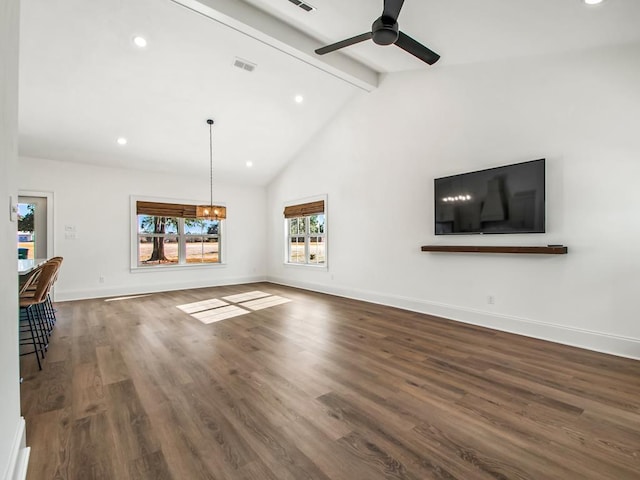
(303, 5)
(244, 65)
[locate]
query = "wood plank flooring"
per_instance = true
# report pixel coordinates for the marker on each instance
(319, 388)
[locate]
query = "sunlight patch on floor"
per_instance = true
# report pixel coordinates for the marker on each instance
(213, 310)
(243, 297)
(201, 306)
(117, 299)
(221, 313)
(270, 301)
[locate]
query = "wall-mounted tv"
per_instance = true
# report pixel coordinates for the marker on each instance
(508, 199)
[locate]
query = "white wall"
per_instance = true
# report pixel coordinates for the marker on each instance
(11, 424)
(378, 159)
(96, 201)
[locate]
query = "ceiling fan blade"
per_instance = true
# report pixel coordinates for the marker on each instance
(392, 9)
(416, 49)
(344, 43)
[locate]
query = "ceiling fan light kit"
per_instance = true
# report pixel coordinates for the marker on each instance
(385, 31)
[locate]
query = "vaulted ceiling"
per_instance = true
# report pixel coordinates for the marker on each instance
(84, 84)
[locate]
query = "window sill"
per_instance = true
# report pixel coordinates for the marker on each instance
(307, 265)
(189, 266)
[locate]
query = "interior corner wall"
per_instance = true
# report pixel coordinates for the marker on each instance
(377, 161)
(11, 424)
(95, 202)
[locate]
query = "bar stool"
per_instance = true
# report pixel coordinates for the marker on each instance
(47, 310)
(33, 297)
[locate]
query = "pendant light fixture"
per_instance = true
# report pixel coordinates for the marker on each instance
(211, 211)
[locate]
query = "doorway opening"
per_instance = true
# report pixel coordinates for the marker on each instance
(34, 226)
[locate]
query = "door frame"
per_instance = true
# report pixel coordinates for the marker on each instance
(50, 223)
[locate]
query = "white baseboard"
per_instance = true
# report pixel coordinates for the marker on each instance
(19, 456)
(597, 341)
(62, 296)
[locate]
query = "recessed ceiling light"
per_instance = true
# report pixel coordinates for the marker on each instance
(298, 98)
(249, 164)
(592, 2)
(122, 141)
(139, 41)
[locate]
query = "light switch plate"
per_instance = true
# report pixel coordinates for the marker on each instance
(13, 209)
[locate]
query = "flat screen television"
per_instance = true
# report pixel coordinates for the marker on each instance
(507, 199)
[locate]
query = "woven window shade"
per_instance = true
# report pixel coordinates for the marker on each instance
(304, 209)
(165, 209)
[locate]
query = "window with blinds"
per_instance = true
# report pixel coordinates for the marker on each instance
(170, 234)
(305, 226)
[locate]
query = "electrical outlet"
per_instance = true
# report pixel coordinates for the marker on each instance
(100, 279)
(491, 300)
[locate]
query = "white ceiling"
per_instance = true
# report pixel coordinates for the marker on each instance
(83, 84)
(468, 31)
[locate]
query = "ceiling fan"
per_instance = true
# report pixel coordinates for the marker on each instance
(385, 31)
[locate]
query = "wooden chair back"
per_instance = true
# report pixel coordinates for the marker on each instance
(42, 283)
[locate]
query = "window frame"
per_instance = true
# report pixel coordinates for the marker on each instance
(307, 235)
(182, 237)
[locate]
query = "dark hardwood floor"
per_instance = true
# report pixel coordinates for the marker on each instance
(319, 388)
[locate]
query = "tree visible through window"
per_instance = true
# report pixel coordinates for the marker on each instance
(175, 240)
(161, 231)
(202, 241)
(306, 233)
(306, 240)
(26, 230)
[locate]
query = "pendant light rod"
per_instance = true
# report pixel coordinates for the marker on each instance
(211, 211)
(210, 122)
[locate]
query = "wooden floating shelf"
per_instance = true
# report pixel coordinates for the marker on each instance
(554, 250)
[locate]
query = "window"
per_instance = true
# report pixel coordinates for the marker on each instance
(202, 240)
(168, 234)
(306, 234)
(157, 240)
